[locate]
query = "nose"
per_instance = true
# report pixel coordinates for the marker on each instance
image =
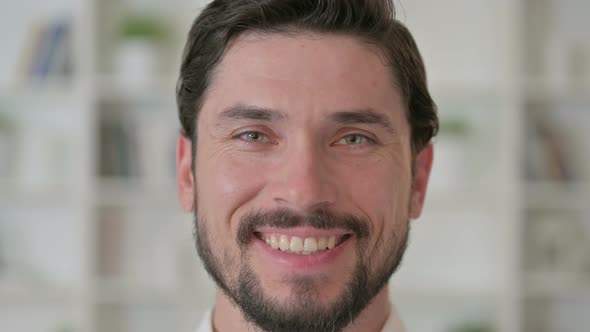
(304, 181)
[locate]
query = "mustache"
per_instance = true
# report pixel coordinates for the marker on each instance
(287, 218)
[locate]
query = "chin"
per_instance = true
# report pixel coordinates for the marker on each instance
(318, 291)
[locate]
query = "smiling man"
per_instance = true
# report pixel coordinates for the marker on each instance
(305, 152)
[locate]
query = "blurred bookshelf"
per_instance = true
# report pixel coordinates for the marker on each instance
(92, 238)
(556, 218)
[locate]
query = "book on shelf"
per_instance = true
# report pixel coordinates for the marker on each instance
(110, 242)
(118, 148)
(48, 52)
(8, 140)
(137, 143)
(546, 152)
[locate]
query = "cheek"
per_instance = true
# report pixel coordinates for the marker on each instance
(385, 198)
(224, 185)
(385, 185)
(238, 181)
(384, 195)
(394, 191)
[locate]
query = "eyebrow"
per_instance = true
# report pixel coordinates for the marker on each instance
(367, 116)
(248, 112)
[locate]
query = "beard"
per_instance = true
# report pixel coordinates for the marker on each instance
(302, 313)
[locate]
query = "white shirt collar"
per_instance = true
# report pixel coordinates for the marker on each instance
(393, 323)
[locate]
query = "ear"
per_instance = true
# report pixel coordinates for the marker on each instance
(422, 173)
(184, 174)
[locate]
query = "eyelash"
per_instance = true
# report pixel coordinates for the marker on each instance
(242, 136)
(263, 137)
(368, 140)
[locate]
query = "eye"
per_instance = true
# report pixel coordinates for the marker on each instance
(355, 139)
(253, 136)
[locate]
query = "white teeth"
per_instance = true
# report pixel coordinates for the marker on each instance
(297, 245)
(331, 242)
(274, 242)
(322, 243)
(284, 243)
(310, 245)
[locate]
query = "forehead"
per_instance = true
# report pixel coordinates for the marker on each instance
(303, 74)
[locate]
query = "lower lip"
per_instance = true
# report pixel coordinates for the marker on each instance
(310, 262)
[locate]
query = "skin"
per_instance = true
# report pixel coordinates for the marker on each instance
(302, 157)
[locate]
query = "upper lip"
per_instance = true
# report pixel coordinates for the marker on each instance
(303, 232)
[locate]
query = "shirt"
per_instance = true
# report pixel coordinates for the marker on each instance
(393, 323)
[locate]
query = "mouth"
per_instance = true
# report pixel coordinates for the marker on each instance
(302, 244)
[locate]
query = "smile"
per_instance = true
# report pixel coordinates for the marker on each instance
(302, 245)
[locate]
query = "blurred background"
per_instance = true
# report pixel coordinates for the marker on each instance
(92, 238)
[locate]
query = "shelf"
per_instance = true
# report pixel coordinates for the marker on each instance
(116, 191)
(161, 91)
(18, 291)
(452, 295)
(120, 291)
(14, 194)
(553, 284)
(539, 89)
(556, 195)
(461, 197)
(467, 89)
(110, 294)
(54, 92)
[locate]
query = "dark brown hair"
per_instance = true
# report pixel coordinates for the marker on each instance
(372, 21)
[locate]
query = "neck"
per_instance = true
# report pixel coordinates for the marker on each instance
(228, 317)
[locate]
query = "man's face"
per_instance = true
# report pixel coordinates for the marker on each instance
(303, 181)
